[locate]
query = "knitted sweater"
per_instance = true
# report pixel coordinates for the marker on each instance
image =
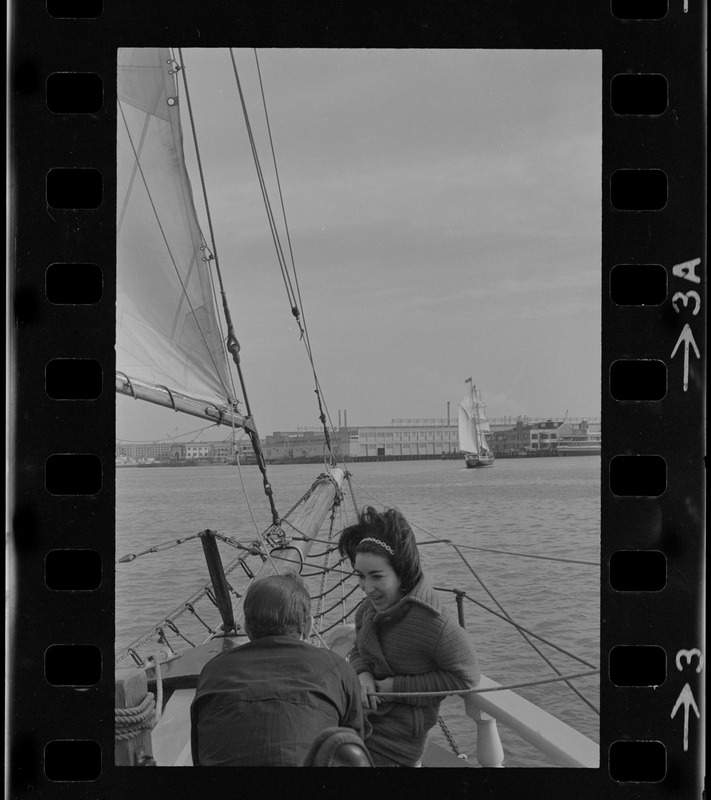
(425, 650)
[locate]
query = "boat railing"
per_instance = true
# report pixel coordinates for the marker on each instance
(490, 702)
(561, 743)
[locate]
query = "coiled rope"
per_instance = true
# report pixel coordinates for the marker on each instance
(129, 722)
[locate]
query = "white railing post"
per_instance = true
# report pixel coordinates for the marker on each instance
(562, 744)
(489, 751)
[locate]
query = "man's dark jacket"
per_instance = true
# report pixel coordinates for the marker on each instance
(263, 703)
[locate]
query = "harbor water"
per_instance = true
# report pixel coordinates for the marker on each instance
(546, 507)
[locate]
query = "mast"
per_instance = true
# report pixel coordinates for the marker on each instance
(475, 419)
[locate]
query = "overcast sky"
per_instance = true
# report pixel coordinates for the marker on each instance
(444, 212)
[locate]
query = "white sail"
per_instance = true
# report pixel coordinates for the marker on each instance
(467, 426)
(484, 426)
(167, 331)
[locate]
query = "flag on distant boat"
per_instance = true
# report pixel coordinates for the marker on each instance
(468, 380)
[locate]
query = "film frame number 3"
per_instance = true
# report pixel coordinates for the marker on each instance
(686, 696)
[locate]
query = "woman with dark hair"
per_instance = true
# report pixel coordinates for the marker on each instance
(405, 641)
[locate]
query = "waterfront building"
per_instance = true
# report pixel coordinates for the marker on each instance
(582, 439)
(158, 452)
(509, 440)
(147, 452)
(403, 439)
(543, 436)
(406, 438)
(306, 443)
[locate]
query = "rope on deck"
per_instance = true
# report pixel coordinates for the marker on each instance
(129, 722)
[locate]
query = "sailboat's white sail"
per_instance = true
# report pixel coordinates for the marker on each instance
(467, 426)
(167, 333)
(484, 426)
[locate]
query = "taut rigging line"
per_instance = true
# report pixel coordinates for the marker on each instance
(233, 345)
(293, 290)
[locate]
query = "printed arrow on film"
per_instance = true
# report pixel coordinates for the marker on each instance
(687, 337)
(686, 698)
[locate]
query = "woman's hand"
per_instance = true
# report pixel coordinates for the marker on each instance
(367, 685)
(386, 685)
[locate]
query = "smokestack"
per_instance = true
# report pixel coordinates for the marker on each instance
(447, 412)
(339, 417)
(345, 418)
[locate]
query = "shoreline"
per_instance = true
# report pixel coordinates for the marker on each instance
(349, 459)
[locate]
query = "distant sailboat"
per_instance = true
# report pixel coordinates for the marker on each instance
(473, 427)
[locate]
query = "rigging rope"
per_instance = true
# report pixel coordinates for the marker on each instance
(213, 253)
(319, 606)
(293, 294)
(524, 633)
(523, 555)
(232, 343)
(531, 633)
(476, 690)
(192, 610)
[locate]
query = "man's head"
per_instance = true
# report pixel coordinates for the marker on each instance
(277, 605)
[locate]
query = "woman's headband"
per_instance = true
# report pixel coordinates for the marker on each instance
(379, 543)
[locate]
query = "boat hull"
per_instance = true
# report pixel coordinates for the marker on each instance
(478, 461)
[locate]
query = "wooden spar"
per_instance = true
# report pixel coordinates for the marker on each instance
(308, 518)
(179, 402)
(219, 581)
